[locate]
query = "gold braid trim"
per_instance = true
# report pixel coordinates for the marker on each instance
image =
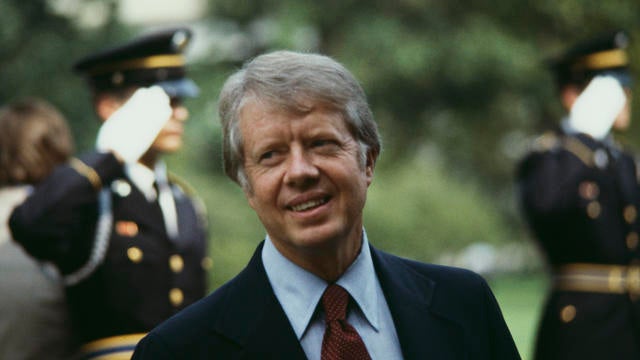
(598, 278)
(150, 62)
(86, 171)
(546, 142)
(549, 141)
(603, 60)
(580, 150)
(119, 347)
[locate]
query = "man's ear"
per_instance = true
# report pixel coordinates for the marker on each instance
(249, 195)
(370, 164)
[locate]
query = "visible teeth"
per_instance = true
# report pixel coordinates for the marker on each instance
(307, 205)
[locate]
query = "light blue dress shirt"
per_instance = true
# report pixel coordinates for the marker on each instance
(299, 293)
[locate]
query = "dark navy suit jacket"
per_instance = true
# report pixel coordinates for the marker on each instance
(439, 313)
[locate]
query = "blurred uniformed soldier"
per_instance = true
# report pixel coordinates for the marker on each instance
(129, 239)
(579, 192)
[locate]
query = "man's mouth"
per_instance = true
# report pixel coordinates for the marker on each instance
(309, 204)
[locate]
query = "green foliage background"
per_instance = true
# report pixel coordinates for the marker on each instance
(458, 88)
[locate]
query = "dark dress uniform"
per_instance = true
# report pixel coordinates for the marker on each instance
(580, 197)
(144, 277)
(127, 266)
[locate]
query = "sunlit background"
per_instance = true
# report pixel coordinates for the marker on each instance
(459, 89)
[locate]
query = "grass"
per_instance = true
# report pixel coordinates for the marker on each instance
(521, 298)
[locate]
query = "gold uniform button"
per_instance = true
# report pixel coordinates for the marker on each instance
(593, 209)
(206, 263)
(588, 190)
(134, 254)
(568, 313)
(176, 263)
(176, 297)
(632, 240)
(630, 213)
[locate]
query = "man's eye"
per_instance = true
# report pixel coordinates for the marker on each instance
(267, 155)
(318, 143)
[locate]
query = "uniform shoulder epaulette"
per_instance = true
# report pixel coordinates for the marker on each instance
(579, 149)
(551, 140)
(545, 142)
(87, 171)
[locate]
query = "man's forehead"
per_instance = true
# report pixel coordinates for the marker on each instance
(255, 111)
(299, 104)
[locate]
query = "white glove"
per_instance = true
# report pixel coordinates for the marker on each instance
(597, 107)
(130, 130)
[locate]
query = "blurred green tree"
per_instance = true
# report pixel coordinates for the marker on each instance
(38, 48)
(467, 76)
(458, 89)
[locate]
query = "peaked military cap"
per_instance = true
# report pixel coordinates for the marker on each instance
(153, 59)
(606, 53)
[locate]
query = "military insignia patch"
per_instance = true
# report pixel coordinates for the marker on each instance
(126, 228)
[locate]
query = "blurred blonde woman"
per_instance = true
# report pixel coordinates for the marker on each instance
(34, 138)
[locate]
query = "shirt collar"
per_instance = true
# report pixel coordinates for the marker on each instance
(299, 291)
(143, 177)
(360, 281)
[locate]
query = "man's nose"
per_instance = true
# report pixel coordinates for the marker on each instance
(180, 113)
(301, 169)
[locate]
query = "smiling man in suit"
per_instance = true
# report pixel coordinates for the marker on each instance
(300, 140)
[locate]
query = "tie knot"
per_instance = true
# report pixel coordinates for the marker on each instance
(334, 302)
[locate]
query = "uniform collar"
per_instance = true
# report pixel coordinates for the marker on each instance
(144, 178)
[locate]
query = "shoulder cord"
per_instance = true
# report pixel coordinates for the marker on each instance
(101, 242)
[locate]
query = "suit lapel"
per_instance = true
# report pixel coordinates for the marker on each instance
(424, 329)
(256, 319)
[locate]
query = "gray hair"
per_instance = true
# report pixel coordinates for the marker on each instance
(292, 81)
